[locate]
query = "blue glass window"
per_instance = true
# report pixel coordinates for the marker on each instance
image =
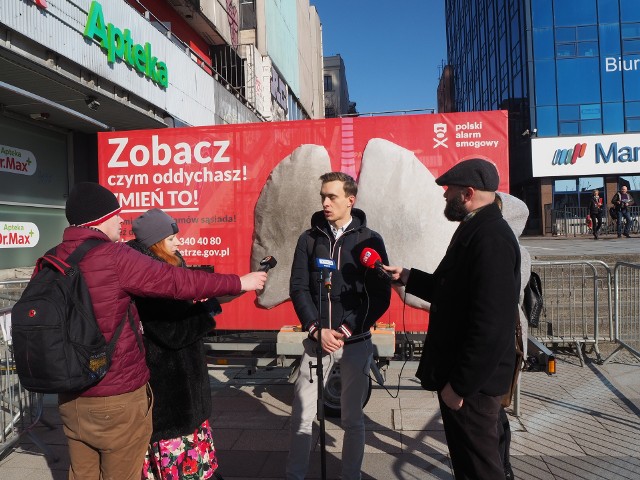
(631, 79)
(608, 11)
(633, 125)
(568, 112)
(587, 49)
(611, 80)
(541, 13)
(578, 81)
(610, 39)
(632, 109)
(590, 127)
(590, 112)
(547, 121)
(612, 118)
(566, 13)
(565, 34)
(587, 33)
(630, 30)
(566, 50)
(543, 43)
(545, 74)
(630, 10)
(569, 128)
(631, 46)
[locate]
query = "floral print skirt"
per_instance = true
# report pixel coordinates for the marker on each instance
(192, 457)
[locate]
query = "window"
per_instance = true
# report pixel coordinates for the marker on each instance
(328, 83)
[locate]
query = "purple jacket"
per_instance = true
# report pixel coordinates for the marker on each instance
(114, 272)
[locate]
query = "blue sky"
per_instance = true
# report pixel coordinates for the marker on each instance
(392, 50)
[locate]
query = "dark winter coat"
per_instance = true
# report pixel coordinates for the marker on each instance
(595, 206)
(114, 272)
(358, 296)
(173, 337)
(474, 308)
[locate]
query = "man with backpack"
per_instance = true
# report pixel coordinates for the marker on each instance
(108, 425)
(621, 201)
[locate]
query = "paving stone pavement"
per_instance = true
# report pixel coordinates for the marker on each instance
(583, 423)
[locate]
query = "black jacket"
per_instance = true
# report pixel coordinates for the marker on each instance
(173, 335)
(474, 308)
(358, 296)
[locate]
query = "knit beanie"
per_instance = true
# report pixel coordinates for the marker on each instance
(90, 204)
(152, 226)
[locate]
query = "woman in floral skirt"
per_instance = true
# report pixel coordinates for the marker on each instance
(181, 444)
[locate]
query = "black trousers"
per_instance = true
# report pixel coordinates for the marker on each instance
(472, 437)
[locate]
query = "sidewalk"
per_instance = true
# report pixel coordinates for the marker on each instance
(583, 423)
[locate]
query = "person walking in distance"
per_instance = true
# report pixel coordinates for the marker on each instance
(621, 201)
(357, 299)
(469, 352)
(108, 425)
(595, 210)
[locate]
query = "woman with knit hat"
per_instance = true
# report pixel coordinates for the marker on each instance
(108, 425)
(181, 443)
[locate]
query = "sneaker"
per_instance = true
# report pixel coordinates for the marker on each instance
(619, 235)
(595, 236)
(627, 235)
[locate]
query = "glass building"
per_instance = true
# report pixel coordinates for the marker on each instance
(568, 72)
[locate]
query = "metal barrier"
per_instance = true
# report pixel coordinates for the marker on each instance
(20, 410)
(577, 304)
(572, 221)
(10, 291)
(627, 308)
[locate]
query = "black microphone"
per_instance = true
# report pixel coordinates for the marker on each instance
(267, 263)
(371, 259)
(326, 264)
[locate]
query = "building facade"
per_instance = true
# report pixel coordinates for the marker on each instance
(72, 68)
(336, 90)
(568, 73)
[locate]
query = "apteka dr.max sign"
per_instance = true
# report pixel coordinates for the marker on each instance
(119, 44)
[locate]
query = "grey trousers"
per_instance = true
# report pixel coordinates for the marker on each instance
(354, 369)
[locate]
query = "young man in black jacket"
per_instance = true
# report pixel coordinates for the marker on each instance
(469, 353)
(357, 298)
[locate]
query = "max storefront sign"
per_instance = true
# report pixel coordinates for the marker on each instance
(18, 234)
(17, 160)
(119, 44)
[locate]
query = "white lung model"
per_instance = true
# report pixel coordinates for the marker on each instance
(405, 205)
(283, 211)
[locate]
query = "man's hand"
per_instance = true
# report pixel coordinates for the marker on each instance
(331, 340)
(253, 281)
(451, 398)
(398, 274)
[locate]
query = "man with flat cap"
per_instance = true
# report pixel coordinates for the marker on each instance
(469, 353)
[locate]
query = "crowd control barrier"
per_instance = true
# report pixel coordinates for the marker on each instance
(627, 308)
(577, 304)
(20, 410)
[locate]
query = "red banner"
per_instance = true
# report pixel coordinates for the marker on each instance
(209, 179)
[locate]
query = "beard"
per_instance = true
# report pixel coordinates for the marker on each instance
(454, 209)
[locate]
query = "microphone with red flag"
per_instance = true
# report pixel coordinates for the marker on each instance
(371, 259)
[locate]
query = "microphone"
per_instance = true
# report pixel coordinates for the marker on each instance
(267, 263)
(325, 264)
(371, 259)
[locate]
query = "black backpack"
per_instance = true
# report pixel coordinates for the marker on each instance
(57, 344)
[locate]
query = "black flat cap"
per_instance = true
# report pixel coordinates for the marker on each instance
(475, 172)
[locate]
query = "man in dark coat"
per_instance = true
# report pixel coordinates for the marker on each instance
(469, 353)
(357, 298)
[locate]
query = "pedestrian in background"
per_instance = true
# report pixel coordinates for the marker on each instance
(108, 426)
(595, 210)
(181, 444)
(621, 201)
(469, 352)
